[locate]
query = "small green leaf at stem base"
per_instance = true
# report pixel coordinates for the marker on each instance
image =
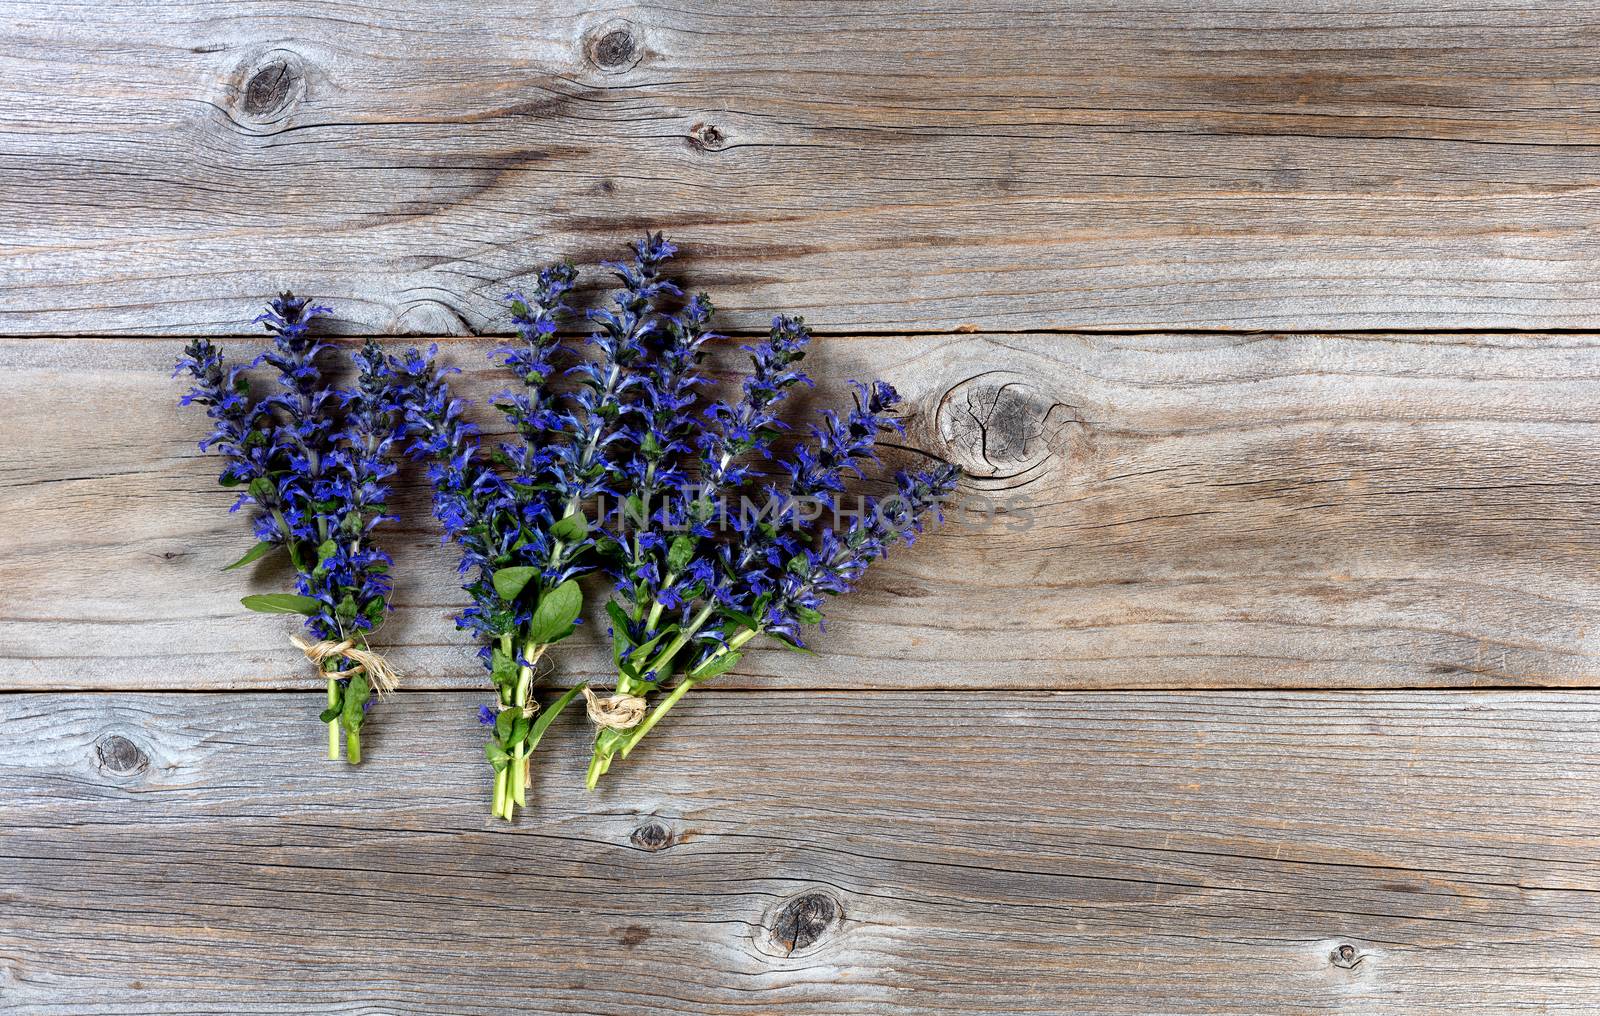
(255, 553)
(282, 603)
(498, 756)
(503, 668)
(540, 725)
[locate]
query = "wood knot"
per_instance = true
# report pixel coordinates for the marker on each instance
(1345, 956)
(803, 922)
(651, 836)
(706, 137)
(120, 756)
(271, 86)
(1000, 424)
(614, 48)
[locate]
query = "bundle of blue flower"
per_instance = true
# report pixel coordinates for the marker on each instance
(622, 463)
(312, 462)
(517, 511)
(704, 574)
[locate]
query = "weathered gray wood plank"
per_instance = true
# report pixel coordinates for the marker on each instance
(1142, 165)
(1405, 853)
(1201, 511)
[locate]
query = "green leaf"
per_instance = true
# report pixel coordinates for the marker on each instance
(326, 549)
(717, 665)
(255, 553)
(571, 529)
(641, 655)
(557, 612)
(356, 694)
(619, 630)
(345, 610)
(503, 724)
(742, 618)
(540, 725)
(330, 714)
(519, 731)
(373, 611)
(281, 603)
(679, 553)
(261, 488)
(229, 480)
(498, 756)
(792, 647)
(503, 667)
(807, 615)
(509, 582)
(633, 510)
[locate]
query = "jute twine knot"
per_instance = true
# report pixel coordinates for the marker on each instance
(379, 674)
(614, 712)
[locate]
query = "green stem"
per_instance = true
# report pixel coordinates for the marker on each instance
(631, 738)
(663, 659)
(634, 736)
(333, 725)
(352, 747)
(598, 764)
(608, 744)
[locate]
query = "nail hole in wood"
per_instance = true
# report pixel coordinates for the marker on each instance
(1345, 957)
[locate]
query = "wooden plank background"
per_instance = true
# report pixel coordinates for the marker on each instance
(1257, 675)
(1093, 852)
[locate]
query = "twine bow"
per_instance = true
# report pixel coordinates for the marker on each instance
(614, 712)
(379, 674)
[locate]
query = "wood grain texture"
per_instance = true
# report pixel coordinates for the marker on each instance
(1138, 165)
(1240, 853)
(1184, 511)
